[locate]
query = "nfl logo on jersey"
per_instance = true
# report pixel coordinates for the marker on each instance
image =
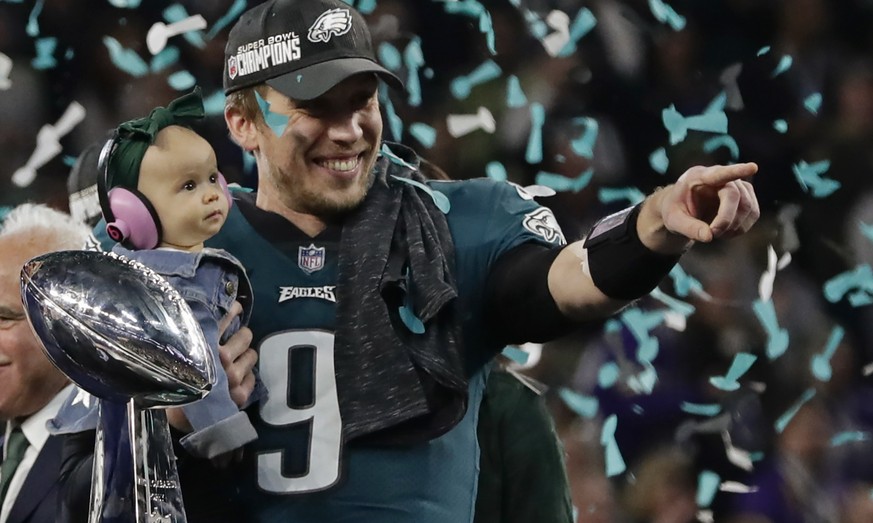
(311, 258)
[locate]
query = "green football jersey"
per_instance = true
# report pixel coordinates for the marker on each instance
(299, 469)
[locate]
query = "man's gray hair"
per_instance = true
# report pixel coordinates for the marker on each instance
(69, 232)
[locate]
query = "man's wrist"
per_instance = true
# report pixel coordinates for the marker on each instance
(653, 232)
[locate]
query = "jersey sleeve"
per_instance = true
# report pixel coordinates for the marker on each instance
(493, 217)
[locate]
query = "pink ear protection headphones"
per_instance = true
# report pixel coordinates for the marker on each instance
(130, 217)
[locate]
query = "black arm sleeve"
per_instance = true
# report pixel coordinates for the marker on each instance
(77, 457)
(518, 305)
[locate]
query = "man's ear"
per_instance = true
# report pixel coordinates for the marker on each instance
(242, 130)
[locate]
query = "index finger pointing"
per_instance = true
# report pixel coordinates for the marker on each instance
(720, 175)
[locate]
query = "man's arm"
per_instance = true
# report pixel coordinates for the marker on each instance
(705, 203)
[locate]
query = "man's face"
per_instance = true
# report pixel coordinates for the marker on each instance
(322, 163)
(179, 176)
(28, 381)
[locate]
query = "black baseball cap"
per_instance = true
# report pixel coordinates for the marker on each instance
(301, 48)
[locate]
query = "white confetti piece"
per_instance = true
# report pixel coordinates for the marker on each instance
(159, 33)
(5, 69)
(48, 144)
(555, 41)
(462, 124)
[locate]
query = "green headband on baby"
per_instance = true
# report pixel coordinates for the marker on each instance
(135, 137)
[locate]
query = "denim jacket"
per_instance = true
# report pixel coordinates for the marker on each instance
(209, 281)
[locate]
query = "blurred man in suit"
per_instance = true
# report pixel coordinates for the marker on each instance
(31, 388)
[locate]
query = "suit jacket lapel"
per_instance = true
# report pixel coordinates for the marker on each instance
(42, 478)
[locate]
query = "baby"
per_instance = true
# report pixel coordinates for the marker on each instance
(162, 197)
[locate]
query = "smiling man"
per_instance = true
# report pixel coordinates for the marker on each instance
(31, 388)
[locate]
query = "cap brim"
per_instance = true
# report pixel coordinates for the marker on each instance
(313, 81)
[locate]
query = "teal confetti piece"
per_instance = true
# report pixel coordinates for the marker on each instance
(786, 418)
(366, 7)
(514, 95)
(69, 161)
(614, 462)
(407, 316)
(125, 4)
(711, 409)
(69, 54)
(683, 283)
(584, 406)
(395, 123)
(665, 14)
(562, 183)
(658, 160)
(582, 24)
(640, 323)
(584, 144)
(707, 485)
(777, 343)
(784, 65)
(678, 125)
(515, 354)
(176, 12)
(810, 177)
(717, 104)
(411, 320)
(388, 153)
(32, 28)
(860, 279)
(534, 152)
(821, 363)
(414, 59)
(609, 195)
(538, 28)
(181, 80)
(638, 409)
(727, 141)
(214, 103)
(45, 48)
(813, 103)
(275, 121)
(425, 134)
(781, 126)
(439, 199)
(608, 374)
(764, 50)
(866, 230)
(390, 57)
(742, 363)
(844, 438)
(496, 171)
(125, 59)
(168, 56)
(235, 10)
(463, 85)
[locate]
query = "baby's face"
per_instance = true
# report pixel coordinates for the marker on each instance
(180, 177)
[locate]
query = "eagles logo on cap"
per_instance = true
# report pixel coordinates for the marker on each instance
(334, 22)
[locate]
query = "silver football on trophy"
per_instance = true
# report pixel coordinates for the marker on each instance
(116, 328)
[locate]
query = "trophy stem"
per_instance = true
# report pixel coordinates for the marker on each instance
(157, 491)
(112, 471)
(134, 477)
